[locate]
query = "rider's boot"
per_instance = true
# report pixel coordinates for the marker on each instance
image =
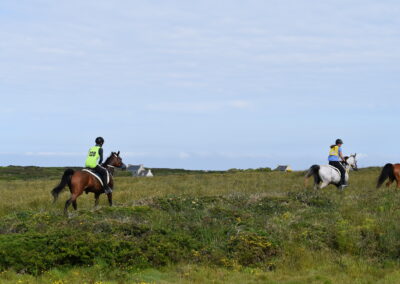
(106, 188)
(343, 183)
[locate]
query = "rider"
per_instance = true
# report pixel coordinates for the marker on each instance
(334, 154)
(94, 160)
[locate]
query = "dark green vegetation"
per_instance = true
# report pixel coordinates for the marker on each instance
(166, 171)
(165, 231)
(266, 226)
(32, 172)
(25, 173)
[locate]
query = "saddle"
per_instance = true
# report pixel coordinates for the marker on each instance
(96, 175)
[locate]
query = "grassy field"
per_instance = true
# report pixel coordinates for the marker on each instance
(236, 227)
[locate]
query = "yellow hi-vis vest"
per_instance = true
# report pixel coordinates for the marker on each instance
(93, 157)
(334, 151)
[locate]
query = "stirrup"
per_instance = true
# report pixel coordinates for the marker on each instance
(107, 190)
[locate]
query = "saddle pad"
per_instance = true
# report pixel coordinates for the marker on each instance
(335, 169)
(96, 175)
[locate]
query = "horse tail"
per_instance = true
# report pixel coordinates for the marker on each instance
(314, 171)
(66, 179)
(387, 172)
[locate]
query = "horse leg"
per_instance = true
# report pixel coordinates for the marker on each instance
(109, 198)
(96, 199)
(67, 204)
(323, 184)
(73, 201)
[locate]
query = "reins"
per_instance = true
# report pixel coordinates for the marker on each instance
(107, 166)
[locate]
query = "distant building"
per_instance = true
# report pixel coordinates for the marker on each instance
(284, 168)
(139, 171)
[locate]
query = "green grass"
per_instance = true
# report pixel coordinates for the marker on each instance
(236, 227)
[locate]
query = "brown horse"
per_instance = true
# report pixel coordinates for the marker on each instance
(83, 181)
(389, 171)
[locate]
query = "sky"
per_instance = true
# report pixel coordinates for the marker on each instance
(199, 84)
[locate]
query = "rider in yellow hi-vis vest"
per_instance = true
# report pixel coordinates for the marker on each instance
(334, 154)
(94, 160)
(93, 157)
(334, 151)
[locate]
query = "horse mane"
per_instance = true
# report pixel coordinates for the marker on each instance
(345, 160)
(108, 158)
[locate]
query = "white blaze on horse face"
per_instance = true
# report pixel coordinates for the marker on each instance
(352, 161)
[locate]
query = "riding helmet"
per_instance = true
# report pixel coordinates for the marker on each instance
(99, 140)
(339, 141)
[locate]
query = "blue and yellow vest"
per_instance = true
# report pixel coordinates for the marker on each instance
(334, 154)
(93, 157)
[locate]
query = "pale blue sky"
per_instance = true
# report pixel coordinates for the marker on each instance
(199, 84)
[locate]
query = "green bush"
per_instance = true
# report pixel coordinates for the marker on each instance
(250, 249)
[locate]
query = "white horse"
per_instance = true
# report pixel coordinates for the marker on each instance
(326, 174)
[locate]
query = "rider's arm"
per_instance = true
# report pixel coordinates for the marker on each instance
(341, 154)
(101, 155)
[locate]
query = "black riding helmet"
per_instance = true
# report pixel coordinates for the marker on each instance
(99, 140)
(338, 141)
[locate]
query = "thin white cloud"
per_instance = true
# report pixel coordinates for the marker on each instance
(140, 154)
(43, 67)
(361, 156)
(7, 110)
(183, 155)
(243, 155)
(240, 104)
(200, 106)
(59, 51)
(55, 154)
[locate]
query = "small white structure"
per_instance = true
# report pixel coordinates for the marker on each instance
(283, 168)
(139, 171)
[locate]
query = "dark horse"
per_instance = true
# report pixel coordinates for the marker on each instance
(83, 181)
(389, 171)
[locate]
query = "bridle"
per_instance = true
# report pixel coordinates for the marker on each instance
(108, 166)
(353, 165)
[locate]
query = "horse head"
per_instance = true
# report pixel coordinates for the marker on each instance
(352, 161)
(115, 161)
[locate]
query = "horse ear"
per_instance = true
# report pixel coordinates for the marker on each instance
(355, 154)
(118, 153)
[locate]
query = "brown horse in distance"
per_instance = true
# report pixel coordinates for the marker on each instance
(82, 181)
(391, 172)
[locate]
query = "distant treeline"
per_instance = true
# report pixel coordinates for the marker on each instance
(166, 171)
(32, 172)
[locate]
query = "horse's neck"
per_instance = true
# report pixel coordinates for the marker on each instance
(348, 166)
(106, 163)
(108, 167)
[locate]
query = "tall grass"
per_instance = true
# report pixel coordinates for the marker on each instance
(259, 227)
